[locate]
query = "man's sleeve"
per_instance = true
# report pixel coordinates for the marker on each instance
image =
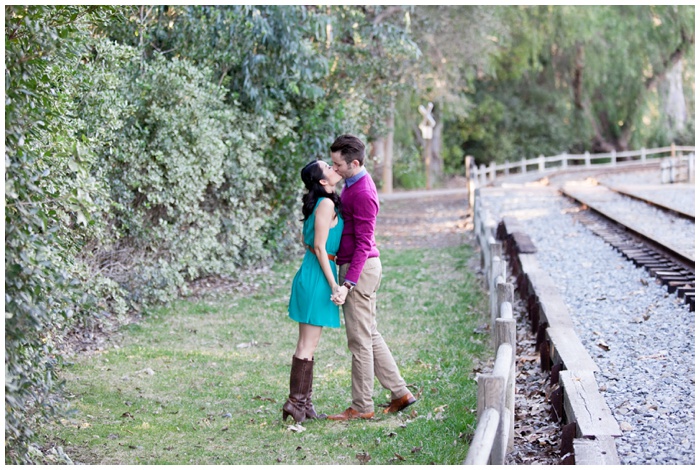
(365, 219)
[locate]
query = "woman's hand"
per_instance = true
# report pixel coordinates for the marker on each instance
(339, 294)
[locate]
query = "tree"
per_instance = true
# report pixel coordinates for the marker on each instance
(607, 59)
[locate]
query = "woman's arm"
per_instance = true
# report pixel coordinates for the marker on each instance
(325, 212)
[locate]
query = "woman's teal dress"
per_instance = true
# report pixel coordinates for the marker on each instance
(310, 301)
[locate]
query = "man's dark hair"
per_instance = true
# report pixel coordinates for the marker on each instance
(350, 148)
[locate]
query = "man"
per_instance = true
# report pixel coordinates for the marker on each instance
(359, 273)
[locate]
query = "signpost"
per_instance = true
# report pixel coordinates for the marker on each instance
(426, 129)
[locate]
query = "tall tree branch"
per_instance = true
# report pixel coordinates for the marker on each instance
(676, 55)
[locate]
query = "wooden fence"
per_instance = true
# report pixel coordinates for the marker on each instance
(494, 434)
(588, 437)
(590, 429)
(681, 166)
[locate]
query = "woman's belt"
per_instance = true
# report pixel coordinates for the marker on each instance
(330, 256)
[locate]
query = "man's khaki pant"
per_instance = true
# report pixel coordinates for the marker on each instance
(370, 354)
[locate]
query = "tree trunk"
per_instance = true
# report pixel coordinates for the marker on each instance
(436, 166)
(388, 174)
(376, 156)
(674, 100)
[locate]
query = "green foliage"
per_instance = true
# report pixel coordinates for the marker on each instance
(599, 66)
(572, 78)
(189, 187)
(49, 206)
(150, 146)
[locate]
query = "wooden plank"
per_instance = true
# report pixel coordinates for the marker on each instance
(566, 348)
(584, 404)
(599, 451)
(554, 311)
(523, 243)
(528, 263)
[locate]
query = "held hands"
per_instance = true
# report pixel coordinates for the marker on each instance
(339, 294)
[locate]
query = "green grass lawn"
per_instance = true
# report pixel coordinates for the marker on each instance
(181, 388)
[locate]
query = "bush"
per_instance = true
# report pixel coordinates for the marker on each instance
(49, 207)
(186, 173)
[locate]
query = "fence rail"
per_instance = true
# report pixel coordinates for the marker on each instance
(483, 174)
(494, 434)
(588, 436)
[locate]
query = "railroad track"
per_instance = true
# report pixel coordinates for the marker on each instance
(667, 255)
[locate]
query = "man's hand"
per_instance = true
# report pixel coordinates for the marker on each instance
(339, 295)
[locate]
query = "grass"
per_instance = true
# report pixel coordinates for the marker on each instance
(182, 389)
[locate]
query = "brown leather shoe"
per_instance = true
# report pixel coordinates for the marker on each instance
(400, 403)
(351, 413)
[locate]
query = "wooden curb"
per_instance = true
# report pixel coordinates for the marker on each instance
(562, 352)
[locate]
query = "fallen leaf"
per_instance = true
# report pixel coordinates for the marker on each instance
(363, 457)
(296, 428)
(258, 397)
(415, 450)
(400, 457)
(603, 345)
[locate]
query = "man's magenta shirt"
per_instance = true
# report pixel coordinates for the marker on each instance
(360, 204)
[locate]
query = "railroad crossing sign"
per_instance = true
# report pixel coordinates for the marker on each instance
(426, 126)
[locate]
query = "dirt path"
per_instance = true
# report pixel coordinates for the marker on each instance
(420, 219)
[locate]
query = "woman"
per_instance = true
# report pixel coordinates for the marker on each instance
(317, 279)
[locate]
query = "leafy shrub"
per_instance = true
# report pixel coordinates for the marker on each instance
(49, 203)
(189, 186)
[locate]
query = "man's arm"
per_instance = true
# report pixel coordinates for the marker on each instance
(366, 208)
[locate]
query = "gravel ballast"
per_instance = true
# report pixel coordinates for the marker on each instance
(641, 337)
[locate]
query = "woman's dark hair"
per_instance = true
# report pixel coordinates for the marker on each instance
(311, 175)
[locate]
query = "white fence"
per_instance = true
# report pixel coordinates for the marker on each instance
(682, 163)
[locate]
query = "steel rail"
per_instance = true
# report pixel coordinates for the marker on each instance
(671, 266)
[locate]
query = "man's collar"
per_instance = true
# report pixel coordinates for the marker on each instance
(353, 179)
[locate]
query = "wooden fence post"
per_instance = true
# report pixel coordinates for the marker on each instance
(506, 333)
(613, 158)
(471, 182)
(540, 163)
(691, 168)
(587, 159)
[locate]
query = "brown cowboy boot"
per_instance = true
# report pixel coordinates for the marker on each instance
(310, 411)
(298, 389)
